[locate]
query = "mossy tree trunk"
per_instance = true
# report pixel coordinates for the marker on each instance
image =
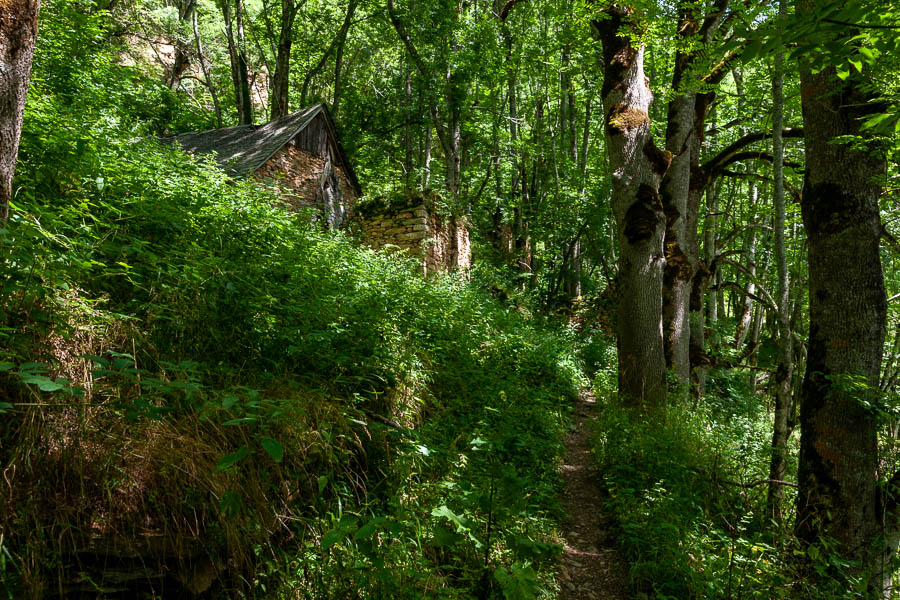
(637, 166)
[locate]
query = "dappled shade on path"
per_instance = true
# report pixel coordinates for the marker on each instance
(591, 567)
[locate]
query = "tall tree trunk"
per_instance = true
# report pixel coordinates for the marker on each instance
(239, 77)
(674, 191)
(637, 166)
(785, 365)
(704, 311)
(710, 247)
(682, 186)
(426, 161)
(838, 493)
(745, 317)
(245, 106)
(281, 78)
(18, 29)
(449, 133)
(339, 58)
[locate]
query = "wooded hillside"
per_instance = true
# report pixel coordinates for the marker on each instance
(671, 236)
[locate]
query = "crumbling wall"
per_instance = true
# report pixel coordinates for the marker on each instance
(303, 177)
(440, 242)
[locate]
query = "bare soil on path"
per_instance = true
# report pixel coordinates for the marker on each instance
(591, 568)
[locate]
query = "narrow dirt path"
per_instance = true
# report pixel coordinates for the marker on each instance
(591, 567)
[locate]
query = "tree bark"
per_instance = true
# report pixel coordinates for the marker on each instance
(682, 186)
(784, 369)
(838, 492)
(637, 166)
(239, 76)
(745, 317)
(182, 59)
(674, 191)
(18, 30)
(281, 80)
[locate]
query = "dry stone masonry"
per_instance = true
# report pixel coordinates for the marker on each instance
(308, 181)
(414, 226)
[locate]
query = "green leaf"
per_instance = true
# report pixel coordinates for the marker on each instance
(444, 511)
(869, 54)
(230, 504)
(332, 537)
(323, 481)
(97, 359)
(230, 459)
(273, 447)
(241, 420)
(229, 401)
(751, 51)
(122, 363)
(52, 386)
(369, 528)
(519, 583)
(44, 383)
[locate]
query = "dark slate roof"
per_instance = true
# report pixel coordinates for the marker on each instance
(243, 149)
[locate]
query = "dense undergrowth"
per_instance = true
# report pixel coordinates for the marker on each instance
(202, 385)
(689, 498)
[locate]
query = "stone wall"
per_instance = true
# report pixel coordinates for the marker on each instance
(302, 176)
(415, 228)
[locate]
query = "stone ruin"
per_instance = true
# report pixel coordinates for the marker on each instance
(416, 227)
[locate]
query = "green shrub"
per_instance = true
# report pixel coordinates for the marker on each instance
(327, 422)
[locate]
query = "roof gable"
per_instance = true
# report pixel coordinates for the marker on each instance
(241, 150)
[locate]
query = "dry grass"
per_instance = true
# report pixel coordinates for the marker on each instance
(85, 490)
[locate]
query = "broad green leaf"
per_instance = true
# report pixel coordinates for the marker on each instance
(273, 447)
(230, 459)
(332, 537)
(444, 511)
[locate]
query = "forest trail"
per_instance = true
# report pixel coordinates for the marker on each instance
(591, 567)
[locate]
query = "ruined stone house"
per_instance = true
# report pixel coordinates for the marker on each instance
(301, 152)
